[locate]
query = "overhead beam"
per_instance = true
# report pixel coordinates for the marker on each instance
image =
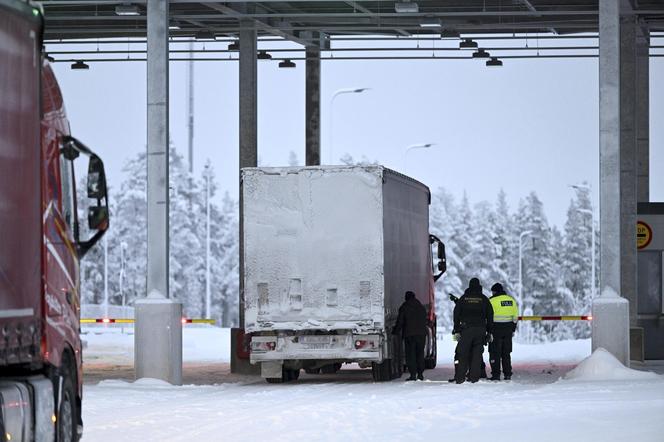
(259, 23)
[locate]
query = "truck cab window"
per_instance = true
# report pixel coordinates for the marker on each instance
(67, 180)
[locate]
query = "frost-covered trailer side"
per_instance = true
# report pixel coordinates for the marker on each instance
(328, 255)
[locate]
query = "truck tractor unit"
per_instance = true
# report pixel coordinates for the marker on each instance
(329, 253)
(40, 239)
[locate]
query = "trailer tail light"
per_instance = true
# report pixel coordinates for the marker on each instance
(366, 343)
(263, 345)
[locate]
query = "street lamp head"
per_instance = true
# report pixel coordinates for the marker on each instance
(579, 186)
(361, 89)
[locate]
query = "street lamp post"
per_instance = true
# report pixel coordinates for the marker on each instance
(207, 243)
(105, 276)
(520, 302)
(335, 95)
(524, 233)
(591, 212)
(411, 147)
(123, 247)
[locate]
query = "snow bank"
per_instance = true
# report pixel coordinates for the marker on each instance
(603, 366)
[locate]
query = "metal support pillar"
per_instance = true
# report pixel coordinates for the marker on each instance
(248, 158)
(610, 326)
(158, 337)
(312, 105)
(628, 289)
(642, 115)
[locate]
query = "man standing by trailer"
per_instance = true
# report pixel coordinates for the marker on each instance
(473, 318)
(412, 324)
(505, 317)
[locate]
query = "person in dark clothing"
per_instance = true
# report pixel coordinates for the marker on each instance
(505, 317)
(473, 319)
(456, 337)
(412, 324)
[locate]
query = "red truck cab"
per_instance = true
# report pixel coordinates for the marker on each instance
(41, 244)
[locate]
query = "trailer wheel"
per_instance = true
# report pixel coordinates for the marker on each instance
(287, 375)
(397, 357)
(66, 419)
(382, 372)
(292, 375)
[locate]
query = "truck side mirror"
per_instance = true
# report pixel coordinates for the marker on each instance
(98, 218)
(96, 178)
(440, 254)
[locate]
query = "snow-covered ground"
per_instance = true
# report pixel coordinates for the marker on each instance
(547, 399)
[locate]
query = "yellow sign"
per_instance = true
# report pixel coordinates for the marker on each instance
(643, 235)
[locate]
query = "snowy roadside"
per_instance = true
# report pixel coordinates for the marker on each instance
(537, 404)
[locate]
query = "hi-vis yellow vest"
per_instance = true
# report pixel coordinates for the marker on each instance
(504, 308)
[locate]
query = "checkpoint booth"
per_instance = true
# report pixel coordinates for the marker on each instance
(650, 302)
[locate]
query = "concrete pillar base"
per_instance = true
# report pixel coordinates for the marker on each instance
(158, 339)
(610, 326)
(241, 365)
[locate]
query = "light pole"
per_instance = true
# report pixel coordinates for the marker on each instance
(105, 276)
(207, 241)
(358, 90)
(411, 147)
(123, 247)
(524, 233)
(590, 212)
(520, 302)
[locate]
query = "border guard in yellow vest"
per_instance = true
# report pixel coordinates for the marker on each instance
(505, 317)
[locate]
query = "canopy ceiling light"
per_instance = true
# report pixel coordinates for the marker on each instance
(204, 34)
(468, 44)
(481, 53)
(406, 7)
(287, 63)
(174, 25)
(494, 62)
(430, 22)
(79, 65)
(263, 55)
(126, 9)
(235, 46)
(450, 33)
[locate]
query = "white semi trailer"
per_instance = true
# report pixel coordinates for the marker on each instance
(328, 254)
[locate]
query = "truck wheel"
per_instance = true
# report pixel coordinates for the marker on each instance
(66, 417)
(292, 375)
(382, 372)
(430, 362)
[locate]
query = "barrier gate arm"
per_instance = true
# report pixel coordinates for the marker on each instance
(131, 321)
(556, 318)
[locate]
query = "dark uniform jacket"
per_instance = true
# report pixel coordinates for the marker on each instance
(473, 309)
(412, 319)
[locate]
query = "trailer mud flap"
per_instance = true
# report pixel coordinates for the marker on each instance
(272, 369)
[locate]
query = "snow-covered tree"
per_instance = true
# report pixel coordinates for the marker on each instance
(577, 256)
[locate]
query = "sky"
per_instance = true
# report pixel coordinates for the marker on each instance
(531, 125)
